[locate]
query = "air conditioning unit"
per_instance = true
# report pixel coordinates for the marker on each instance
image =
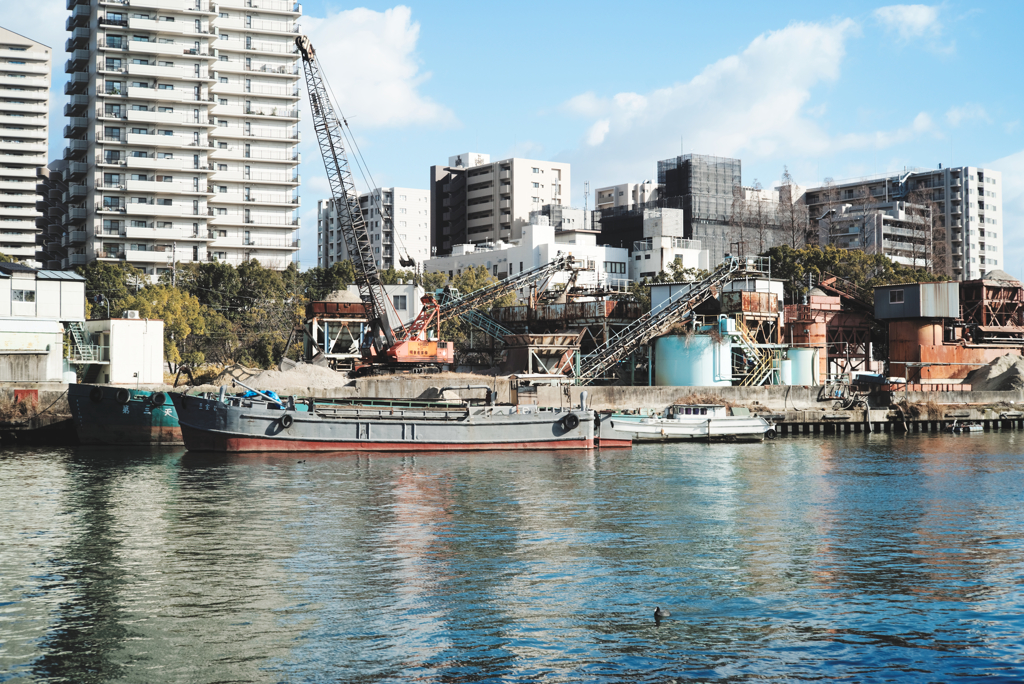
(131, 314)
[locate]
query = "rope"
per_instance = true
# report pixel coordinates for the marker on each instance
(40, 412)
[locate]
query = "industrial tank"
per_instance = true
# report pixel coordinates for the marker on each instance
(786, 372)
(692, 361)
(805, 365)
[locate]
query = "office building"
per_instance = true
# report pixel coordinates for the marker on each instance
(966, 218)
(397, 220)
(182, 132)
(475, 200)
(24, 112)
(716, 209)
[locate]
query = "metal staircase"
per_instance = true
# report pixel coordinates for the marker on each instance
(82, 351)
(678, 307)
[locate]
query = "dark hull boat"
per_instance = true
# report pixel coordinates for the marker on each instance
(104, 414)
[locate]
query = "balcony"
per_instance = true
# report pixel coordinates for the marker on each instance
(77, 83)
(178, 28)
(76, 126)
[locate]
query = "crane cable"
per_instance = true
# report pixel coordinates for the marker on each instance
(364, 170)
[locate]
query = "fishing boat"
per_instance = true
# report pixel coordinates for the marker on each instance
(256, 423)
(705, 422)
(105, 414)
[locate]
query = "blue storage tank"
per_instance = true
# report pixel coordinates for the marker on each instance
(692, 361)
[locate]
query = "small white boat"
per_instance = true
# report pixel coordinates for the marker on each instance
(706, 422)
(961, 428)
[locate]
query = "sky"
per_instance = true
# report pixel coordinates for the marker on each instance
(836, 90)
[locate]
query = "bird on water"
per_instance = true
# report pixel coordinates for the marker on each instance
(659, 613)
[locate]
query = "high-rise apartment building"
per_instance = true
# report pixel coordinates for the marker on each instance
(182, 132)
(475, 200)
(24, 112)
(964, 235)
(397, 220)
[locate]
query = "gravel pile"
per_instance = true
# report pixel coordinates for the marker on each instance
(303, 375)
(1002, 375)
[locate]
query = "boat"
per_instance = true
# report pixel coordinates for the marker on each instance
(705, 422)
(105, 414)
(963, 428)
(258, 423)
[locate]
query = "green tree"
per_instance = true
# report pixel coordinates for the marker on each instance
(116, 281)
(320, 282)
(183, 317)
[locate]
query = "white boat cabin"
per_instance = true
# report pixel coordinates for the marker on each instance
(690, 411)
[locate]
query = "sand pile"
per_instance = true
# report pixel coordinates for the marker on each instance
(1002, 375)
(303, 375)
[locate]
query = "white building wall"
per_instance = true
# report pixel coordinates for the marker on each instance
(31, 350)
(24, 131)
(537, 247)
(627, 195)
(134, 346)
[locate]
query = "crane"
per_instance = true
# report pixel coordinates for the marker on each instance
(413, 345)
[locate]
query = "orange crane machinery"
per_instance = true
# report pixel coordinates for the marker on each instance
(381, 347)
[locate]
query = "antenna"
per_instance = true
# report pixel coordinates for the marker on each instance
(586, 196)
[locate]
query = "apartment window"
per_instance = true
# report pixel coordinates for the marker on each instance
(140, 131)
(222, 167)
(164, 224)
(111, 156)
(111, 179)
(113, 203)
(223, 101)
(165, 110)
(165, 132)
(895, 296)
(23, 295)
(112, 227)
(139, 177)
(113, 87)
(400, 301)
(138, 224)
(142, 62)
(222, 188)
(164, 202)
(165, 155)
(145, 39)
(223, 79)
(536, 185)
(114, 42)
(165, 86)
(140, 108)
(113, 64)
(536, 170)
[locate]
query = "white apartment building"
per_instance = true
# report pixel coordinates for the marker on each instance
(24, 112)
(898, 229)
(475, 200)
(397, 220)
(182, 133)
(663, 244)
(965, 203)
(539, 244)
(628, 195)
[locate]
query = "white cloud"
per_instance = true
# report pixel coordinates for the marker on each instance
(369, 59)
(968, 112)
(909, 21)
(1012, 220)
(755, 104)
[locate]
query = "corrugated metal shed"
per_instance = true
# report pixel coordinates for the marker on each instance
(918, 300)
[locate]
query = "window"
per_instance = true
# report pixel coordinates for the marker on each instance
(23, 295)
(536, 185)
(165, 86)
(113, 63)
(165, 110)
(615, 267)
(400, 302)
(895, 296)
(138, 224)
(164, 202)
(536, 170)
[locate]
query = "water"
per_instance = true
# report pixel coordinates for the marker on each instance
(858, 558)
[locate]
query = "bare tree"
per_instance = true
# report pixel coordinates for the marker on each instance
(792, 216)
(924, 207)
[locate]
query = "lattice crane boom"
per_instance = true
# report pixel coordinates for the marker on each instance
(458, 305)
(328, 126)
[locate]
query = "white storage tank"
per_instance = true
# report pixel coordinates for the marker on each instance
(805, 369)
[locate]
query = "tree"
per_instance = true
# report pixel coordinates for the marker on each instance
(117, 282)
(320, 282)
(183, 317)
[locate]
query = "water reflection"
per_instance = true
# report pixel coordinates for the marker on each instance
(847, 557)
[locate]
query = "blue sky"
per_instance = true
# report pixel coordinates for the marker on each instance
(828, 89)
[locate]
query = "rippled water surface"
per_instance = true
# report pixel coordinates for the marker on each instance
(859, 558)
